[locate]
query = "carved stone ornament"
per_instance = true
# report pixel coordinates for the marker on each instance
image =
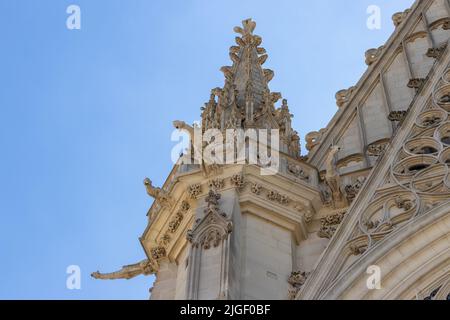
(297, 171)
(313, 139)
(329, 224)
(145, 267)
(416, 83)
(158, 253)
(333, 179)
(343, 96)
(296, 280)
(175, 223)
(372, 55)
(165, 240)
(356, 251)
(352, 190)
(376, 149)
(214, 227)
(256, 188)
(277, 197)
(436, 53)
(237, 180)
(194, 190)
(216, 184)
(399, 17)
(397, 116)
(160, 195)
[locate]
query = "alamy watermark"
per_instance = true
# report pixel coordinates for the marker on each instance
(73, 21)
(73, 281)
(374, 19)
(252, 146)
(374, 280)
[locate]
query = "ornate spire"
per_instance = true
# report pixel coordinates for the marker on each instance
(246, 96)
(245, 101)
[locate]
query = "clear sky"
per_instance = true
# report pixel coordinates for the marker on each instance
(86, 115)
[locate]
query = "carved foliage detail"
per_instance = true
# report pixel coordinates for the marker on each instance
(296, 280)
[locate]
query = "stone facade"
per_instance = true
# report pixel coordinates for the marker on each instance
(374, 189)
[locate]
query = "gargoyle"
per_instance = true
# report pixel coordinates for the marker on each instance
(145, 267)
(157, 193)
(181, 125)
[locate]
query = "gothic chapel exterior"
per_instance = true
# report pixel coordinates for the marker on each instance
(373, 191)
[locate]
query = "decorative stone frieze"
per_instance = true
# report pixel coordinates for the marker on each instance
(256, 188)
(277, 197)
(175, 223)
(158, 253)
(216, 184)
(194, 190)
(238, 181)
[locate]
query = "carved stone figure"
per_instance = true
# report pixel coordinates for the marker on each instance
(297, 171)
(352, 190)
(296, 280)
(333, 178)
(145, 267)
(157, 193)
(183, 126)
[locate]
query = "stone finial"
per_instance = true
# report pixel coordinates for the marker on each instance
(248, 27)
(372, 55)
(343, 96)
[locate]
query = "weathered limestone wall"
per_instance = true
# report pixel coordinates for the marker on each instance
(267, 259)
(165, 283)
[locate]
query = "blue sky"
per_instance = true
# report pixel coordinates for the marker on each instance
(86, 115)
